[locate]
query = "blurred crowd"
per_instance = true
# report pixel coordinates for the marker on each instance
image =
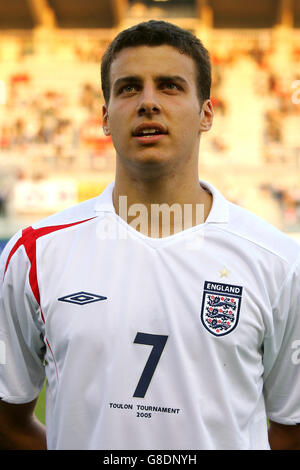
(280, 94)
(48, 121)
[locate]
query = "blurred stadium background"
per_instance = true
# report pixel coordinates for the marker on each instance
(53, 153)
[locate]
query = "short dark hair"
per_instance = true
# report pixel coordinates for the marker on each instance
(156, 33)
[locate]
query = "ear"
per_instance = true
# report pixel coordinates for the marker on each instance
(206, 116)
(105, 124)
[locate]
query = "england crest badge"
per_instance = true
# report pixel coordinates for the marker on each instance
(220, 307)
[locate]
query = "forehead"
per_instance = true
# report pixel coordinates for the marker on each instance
(146, 61)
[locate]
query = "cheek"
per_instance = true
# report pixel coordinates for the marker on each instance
(119, 119)
(190, 122)
(115, 121)
(120, 134)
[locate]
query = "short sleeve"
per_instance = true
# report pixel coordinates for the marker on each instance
(22, 371)
(282, 354)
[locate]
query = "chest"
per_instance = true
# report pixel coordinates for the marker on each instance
(102, 295)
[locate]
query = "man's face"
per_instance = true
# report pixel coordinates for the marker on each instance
(154, 114)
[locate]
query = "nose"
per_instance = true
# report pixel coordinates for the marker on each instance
(148, 103)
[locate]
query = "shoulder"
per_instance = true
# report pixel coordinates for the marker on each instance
(82, 211)
(86, 210)
(254, 237)
(74, 214)
(260, 234)
(26, 238)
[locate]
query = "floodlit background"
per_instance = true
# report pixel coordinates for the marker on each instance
(53, 153)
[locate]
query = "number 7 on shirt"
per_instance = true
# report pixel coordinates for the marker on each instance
(158, 342)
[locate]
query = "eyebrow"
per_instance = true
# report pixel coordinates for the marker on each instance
(128, 79)
(171, 78)
(160, 78)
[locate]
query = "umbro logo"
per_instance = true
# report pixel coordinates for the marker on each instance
(82, 298)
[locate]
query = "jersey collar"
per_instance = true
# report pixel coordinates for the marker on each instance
(219, 212)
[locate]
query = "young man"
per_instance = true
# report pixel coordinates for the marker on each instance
(152, 339)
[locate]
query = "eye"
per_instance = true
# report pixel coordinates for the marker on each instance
(170, 86)
(128, 89)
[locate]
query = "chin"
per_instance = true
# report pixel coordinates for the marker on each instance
(148, 166)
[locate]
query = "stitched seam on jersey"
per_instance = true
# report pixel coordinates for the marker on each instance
(287, 278)
(239, 235)
(53, 357)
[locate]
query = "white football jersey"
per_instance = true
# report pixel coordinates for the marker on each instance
(184, 342)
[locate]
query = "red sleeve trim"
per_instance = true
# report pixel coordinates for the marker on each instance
(28, 240)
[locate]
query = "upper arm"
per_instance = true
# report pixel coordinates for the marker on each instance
(19, 428)
(282, 353)
(283, 437)
(22, 371)
(16, 415)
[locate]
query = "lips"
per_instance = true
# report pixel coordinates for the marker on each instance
(149, 129)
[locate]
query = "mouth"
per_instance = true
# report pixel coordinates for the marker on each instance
(147, 133)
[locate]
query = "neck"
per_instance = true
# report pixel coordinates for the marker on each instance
(161, 205)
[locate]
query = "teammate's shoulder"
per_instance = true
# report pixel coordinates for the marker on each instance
(261, 233)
